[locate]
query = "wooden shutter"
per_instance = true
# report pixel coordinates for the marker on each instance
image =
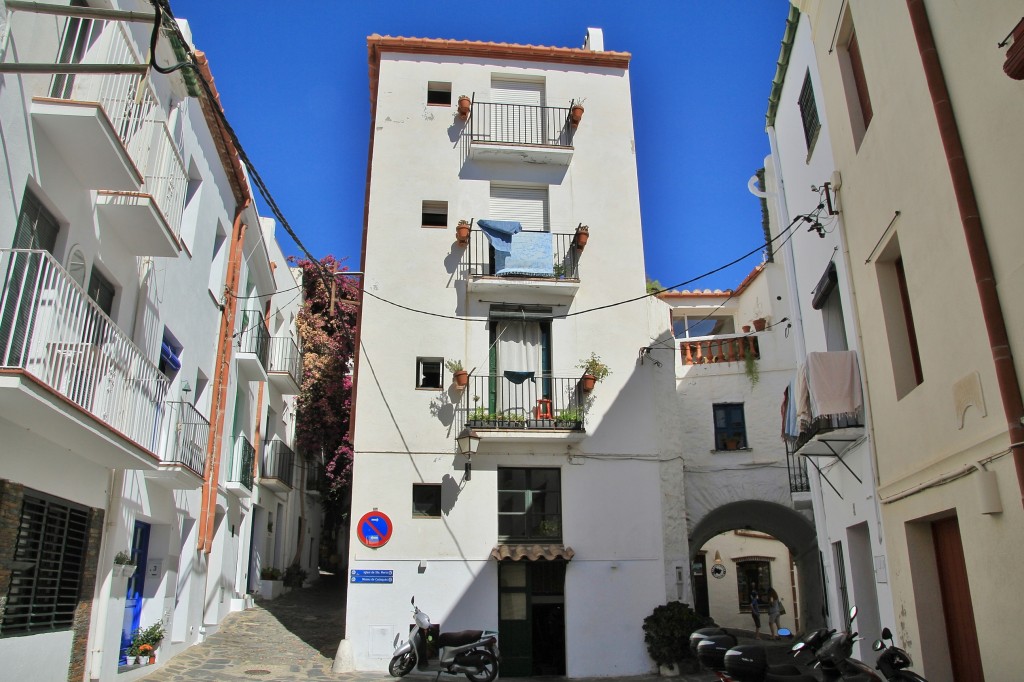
(528, 205)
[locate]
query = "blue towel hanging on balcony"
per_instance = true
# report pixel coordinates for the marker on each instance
(519, 377)
(531, 255)
(499, 232)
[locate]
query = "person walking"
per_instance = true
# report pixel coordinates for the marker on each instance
(773, 613)
(755, 612)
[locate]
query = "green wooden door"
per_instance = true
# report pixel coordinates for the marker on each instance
(515, 629)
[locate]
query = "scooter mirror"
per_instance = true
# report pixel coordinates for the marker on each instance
(785, 632)
(413, 600)
(853, 613)
(877, 646)
(886, 634)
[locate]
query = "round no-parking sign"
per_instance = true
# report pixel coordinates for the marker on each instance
(374, 529)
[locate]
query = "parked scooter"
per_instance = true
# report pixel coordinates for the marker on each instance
(749, 662)
(470, 652)
(894, 661)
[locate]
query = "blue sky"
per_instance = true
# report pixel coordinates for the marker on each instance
(293, 81)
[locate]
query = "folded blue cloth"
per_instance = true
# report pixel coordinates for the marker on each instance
(532, 254)
(499, 232)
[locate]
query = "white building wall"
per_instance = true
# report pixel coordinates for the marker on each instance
(611, 511)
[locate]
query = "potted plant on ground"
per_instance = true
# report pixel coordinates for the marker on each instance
(593, 371)
(124, 565)
(271, 585)
(145, 642)
(294, 576)
(462, 233)
(667, 635)
(459, 375)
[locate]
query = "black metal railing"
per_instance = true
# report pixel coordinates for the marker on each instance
(188, 440)
(519, 401)
(278, 461)
(565, 257)
(284, 356)
(524, 124)
(797, 468)
(242, 457)
(253, 336)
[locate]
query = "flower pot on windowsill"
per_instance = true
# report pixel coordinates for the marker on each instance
(746, 329)
(760, 324)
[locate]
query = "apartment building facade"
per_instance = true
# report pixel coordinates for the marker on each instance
(923, 103)
(825, 413)
(123, 225)
(546, 519)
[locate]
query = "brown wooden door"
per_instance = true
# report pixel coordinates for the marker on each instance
(961, 634)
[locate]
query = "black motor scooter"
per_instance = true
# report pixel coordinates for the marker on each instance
(894, 661)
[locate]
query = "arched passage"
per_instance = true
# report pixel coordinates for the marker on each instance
(789, 527)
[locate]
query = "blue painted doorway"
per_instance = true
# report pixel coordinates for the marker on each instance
(136, 585)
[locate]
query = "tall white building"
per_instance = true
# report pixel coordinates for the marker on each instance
(550, 523)
(135, 361)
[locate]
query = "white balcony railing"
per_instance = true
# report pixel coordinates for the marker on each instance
(50, 328)
(131, 105)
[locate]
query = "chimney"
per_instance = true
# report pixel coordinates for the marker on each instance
(595, 40)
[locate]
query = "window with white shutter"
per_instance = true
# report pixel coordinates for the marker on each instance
(527, 205)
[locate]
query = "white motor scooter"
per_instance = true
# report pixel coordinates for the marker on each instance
(470, 652)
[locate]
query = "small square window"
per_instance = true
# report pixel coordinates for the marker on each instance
(439, 94)
(435, 214)
(428, 373)
(426, 500)
(730, 426)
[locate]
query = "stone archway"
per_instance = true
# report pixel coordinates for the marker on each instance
(789, 527)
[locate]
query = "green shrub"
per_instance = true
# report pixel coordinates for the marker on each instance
(294, 576)
(667, 632)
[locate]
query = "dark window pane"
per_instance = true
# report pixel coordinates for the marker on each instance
(426, 500)
(511, 502)
(512, 479)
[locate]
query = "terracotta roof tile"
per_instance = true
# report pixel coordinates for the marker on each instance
(532, 553)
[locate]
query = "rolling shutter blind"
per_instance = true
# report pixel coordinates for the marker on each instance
(522, 123)
(528, 205)
(517, 92)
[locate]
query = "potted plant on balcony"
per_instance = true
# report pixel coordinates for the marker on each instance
(124, 565)
(750, 368)
(480, 417)
(576, 112)
(593, 371)
(581, 237)
(462, 233)
(459, 375)
(465, 106)
(569, 418)
(760, 323)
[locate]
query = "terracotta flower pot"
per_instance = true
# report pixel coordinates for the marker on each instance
(465, 106)
(746, 329)
(587, 382)
(462, 234)
(582, 235)
(759, 324)
(576, 115)
(461, 378)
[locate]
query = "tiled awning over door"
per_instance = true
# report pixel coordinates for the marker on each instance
(532, 553)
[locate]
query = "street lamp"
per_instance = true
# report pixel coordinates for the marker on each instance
(468, 442)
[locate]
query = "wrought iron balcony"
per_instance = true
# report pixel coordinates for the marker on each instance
(51, 330)
(557, 273)
(111, 129)
(253, 346)
(277, 466)
(521, 405)
(185, 438)
(240, 475)
(719, 349)
(516, 132)
(284, 367)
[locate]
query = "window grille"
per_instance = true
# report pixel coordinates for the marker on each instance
(809, 113)
(49, 556)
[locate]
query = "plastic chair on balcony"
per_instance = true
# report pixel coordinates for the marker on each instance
(543, 409)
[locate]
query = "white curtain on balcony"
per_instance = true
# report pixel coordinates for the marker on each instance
(519, 349)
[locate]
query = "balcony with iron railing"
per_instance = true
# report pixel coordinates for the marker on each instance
(284, 366)
(110, 129)
(524, 406)
(277, 466)
(520, 132)
(539, 261)
(240, 469)
(253, 341)
(823, 413)
(183, 444)
(58, 350)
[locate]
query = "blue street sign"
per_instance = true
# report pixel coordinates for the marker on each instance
(372, 576)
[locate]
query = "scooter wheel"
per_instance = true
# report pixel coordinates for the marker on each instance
(401, 665)
(488, 668)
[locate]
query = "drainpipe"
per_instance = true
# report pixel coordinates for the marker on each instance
(977, 247)
(221, 374)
